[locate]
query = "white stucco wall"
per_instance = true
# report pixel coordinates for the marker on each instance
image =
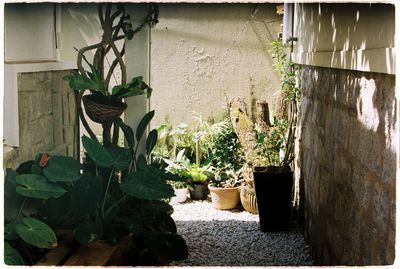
(29, 32)
(202, 55)
(347, 36)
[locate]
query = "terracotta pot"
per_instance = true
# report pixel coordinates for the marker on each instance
(180, 195)
(199, 192)
(224, 198)
(248, 199)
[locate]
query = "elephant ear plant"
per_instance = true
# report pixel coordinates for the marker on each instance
(35, 196)
(119, 194)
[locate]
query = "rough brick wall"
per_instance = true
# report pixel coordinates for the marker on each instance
(348, 165)
(47, 115)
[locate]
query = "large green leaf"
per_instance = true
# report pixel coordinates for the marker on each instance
(97, 153)
(36, 233)
(88, 232)
(12, 200)
(128, 133)
(36, 186)
(168, 245)
(85, 195)
(144, 185)
(11, 256)
(135, 87)
(78, 82)
(141, 128)
(151, 141)
(62, 168)
(122, 157)
(160, 173)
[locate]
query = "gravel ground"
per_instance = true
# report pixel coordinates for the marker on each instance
(233, 238)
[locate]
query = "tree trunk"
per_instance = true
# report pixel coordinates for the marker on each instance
(262, 115)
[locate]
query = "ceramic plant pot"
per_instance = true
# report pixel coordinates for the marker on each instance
(180, 195)
(274, 197)
(248, 199)
(199, 192)
(224, 198)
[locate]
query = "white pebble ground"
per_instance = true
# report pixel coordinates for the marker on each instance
(233, 238)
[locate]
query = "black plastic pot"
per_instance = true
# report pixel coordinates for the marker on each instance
(274, 197)
(199, 192)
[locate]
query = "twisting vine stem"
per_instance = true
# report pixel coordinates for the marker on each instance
(116, 26)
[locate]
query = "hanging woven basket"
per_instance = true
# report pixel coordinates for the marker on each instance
(101, 110)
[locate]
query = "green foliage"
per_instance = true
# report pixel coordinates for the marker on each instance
(97, 153)
(12, 256)
(270, 144)
(93, 82)
(141, 128)
(144, 184)
(36, 186)
(86, 195)
(226, 177)
(100, 203)
(62, 168)
(286, 70)
(225, 147)
(36, 233)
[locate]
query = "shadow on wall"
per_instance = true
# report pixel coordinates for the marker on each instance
(349, 36)
(233, 242)
(348, 165)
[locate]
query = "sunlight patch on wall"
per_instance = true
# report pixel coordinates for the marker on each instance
(367, 114)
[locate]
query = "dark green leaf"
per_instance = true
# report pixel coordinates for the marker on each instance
(36, 233)
(135, 87)
(161, 173)
(36, 170)
(78, 82)
(168, 245)
(11, 256)
(97, 153)
(149, 91)
(88, 232)
(128, 133)
(85, 195)
(62, 168)
(36, 186)
(9, 231)
(145, 185)
(151, 141)
(141, 128)
(12, 200)
(122, 157)
(25, 167)
(156, 207)
(57, 212)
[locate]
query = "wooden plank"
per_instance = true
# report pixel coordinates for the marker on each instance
(96, 254)
(61, 253)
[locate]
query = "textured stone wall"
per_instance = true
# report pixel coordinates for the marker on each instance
(348, 165)
(203, 55)
(47, 115)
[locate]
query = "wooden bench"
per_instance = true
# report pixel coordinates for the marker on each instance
(100, 253)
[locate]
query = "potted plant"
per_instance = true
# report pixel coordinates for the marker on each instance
(197, 179)
(105, 104)
(274, 183)
(224, 187)
(181, 192)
